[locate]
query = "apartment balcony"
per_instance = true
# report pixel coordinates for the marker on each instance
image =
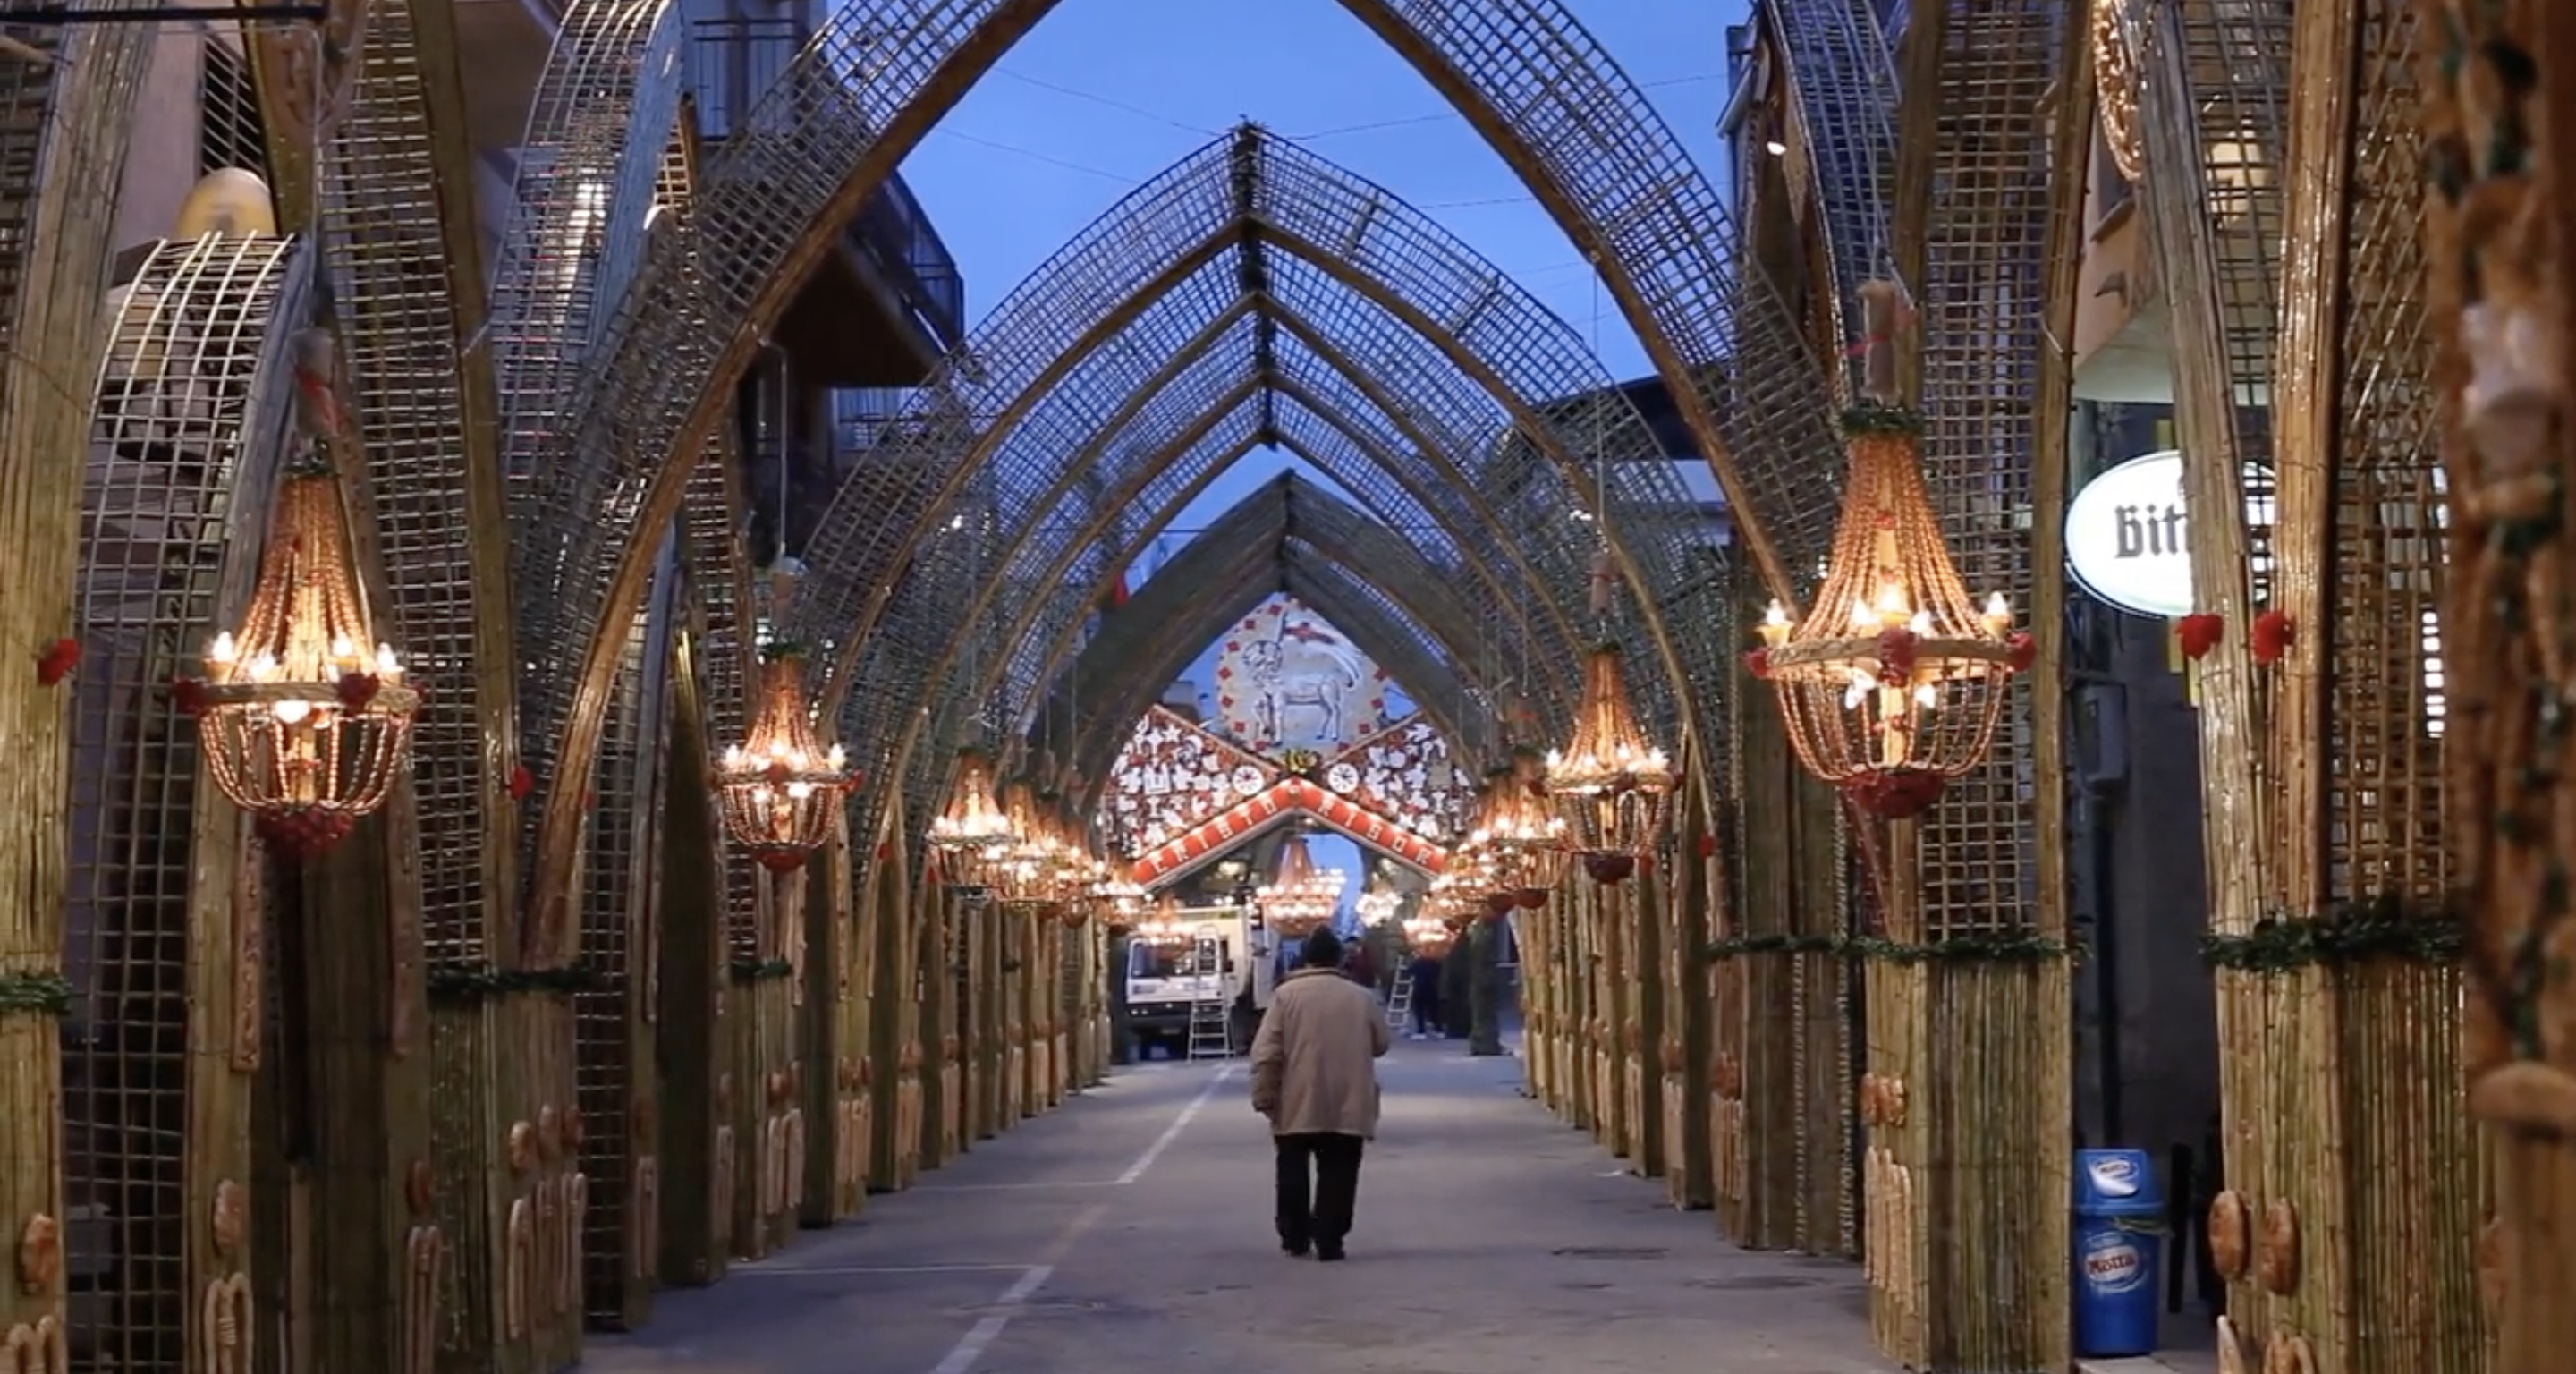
(888, 301)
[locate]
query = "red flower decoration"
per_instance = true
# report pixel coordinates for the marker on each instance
(778, 771)
(1896, 794)
(885, 850)
(1896, 655)
(300, 835)
(2271, 636)
(590, 799)
(357, 689)
(189, 696)
(1708, 846)
(57, 661)
(522, 782)
(2024, 651)
(2199, 634)
(1758, 663)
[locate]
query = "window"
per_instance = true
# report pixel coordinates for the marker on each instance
(229, 130)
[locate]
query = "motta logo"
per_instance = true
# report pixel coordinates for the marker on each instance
(2113, 1265)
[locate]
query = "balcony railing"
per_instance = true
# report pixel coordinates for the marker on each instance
(732, 64)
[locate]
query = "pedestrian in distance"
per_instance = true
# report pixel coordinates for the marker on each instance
(1314, 1074)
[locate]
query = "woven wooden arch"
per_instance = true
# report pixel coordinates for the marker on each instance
(1262, 320)
(843, 116)
(1294, 536)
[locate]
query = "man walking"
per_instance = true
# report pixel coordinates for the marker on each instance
(1314, 1075)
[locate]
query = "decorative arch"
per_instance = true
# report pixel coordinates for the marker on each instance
(808, 156)
(1253, 304)
(1290, 535)
(1842, 91)
(187, 426)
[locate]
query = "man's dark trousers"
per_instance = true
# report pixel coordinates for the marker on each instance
(1334, 1164)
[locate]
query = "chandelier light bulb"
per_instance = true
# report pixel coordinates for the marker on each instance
(223, 651)
(1776, 625)
(387, 666)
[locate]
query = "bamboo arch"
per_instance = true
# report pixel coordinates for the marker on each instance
(1289, 536)
(1294, 536)
(866, 90)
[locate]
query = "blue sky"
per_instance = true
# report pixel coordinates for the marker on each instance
(1106, 93)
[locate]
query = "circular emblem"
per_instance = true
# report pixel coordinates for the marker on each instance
(1342, 777)
(1247, 779)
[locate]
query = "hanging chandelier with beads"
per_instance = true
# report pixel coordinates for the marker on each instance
(780, 789)
(972, 833)
(1894, 680)
(1609, 783)
(304, 718)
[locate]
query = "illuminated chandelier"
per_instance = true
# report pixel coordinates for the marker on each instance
(304, 717)
(781, 788)
(1428, 934)
(1609, 782)
(1524, 836)
(972, 833)
(1300, 898)
(1894, 681)
(1117, 897)
(1025, 870)
(1164, 928)
(1379, 903)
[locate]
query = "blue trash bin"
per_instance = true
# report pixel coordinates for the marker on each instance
(2119, 1252)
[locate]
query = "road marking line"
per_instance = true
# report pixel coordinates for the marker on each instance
(988, 1328)
(849, 1270)
(1016, 1187)
(1172, 1132)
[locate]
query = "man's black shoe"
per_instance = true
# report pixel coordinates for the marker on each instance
(1296, 1249)
(1328, 1253)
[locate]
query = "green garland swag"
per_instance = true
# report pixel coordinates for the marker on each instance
(1873, 417)
(1968, 947)
(47, 993)
(2357, 932)
(750, 970)
(455, 981)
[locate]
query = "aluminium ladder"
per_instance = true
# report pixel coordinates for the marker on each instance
(1208, 1038)
(1399, 1002)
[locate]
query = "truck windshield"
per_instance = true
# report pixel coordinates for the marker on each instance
(1171, 961)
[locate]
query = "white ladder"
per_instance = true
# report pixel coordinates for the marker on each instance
(1399, 1003)
(1208, 1039)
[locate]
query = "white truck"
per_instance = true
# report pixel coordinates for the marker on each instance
(1199, 954)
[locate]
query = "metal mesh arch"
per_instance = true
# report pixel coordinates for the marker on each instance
(1410, 304)
(1286, 525)
(410, 287)
(185, 435)
(879, 75)
(1842, 90)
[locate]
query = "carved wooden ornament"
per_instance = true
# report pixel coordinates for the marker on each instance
(40, 1255)
(2231, 1235)
(420, 1189)
(1892, 1090)
(549, 1132)
(570, 1127)
(228, 1325)
(522, 1147)
(1873, 1099)
(2276, 1260)
(230, 1220)
(2231, 1349)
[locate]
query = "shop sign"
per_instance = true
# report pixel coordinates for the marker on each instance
(2128, 534)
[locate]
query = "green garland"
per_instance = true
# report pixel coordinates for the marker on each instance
(1968, 947)
(777, 649)
(1876, 417)
(456, 981)
(749, 970)
(49, 994)
(2356, 932)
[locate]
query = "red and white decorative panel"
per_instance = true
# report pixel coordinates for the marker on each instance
(1288, 797)
(1287, 680)
(1406, 771)
(1171, 778)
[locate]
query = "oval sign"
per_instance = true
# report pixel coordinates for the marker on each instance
(2128, 535)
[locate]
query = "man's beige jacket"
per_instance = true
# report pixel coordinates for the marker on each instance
(1314, 1067)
